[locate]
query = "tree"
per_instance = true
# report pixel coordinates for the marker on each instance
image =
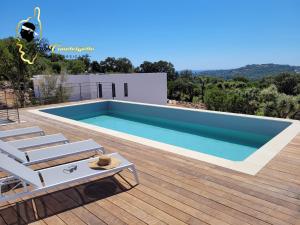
(286, 105)
(41, 65)
(56, 57)
(187, 74)
(56, 68)
(86, 60)
(241, 78)
(124, 65)
(146, 67)
(251, 100)
(158, 67)
(276, 104)
(108, 65)
(166, 67)
(95, 67)
(287, 83)
(76, 67)
(215, 99)
(13, 69)
(203, 81)
(42, 47)
(184, 88)
(234, 102)
(113, 65)
(269, 94)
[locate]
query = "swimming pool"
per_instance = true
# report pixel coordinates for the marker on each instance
(223, 138)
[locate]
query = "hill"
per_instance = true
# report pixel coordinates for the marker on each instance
(254, 71)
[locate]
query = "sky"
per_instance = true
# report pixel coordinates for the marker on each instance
(192, 34)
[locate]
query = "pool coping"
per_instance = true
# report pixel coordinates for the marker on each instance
(251, 165)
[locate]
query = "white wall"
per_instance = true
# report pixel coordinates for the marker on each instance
(142, 87)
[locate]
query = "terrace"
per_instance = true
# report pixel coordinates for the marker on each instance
(173, 189)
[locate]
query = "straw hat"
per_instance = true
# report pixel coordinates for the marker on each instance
(104, 162)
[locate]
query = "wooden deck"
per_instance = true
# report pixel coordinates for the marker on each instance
(173, 189)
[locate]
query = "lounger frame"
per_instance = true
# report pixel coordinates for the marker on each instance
(36, 190)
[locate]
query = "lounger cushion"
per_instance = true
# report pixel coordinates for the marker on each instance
(62, 150)
(18, 170)
(13, 151)
(20, 131)
(38, 141)
(58, 175)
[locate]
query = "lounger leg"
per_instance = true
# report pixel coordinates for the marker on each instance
(133, 171)
(24, 186)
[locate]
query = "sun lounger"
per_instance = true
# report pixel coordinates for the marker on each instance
(50, 153)
(49, 178)
(39, 141)
(21, 132)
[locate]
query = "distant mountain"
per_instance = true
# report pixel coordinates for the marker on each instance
(253, 71)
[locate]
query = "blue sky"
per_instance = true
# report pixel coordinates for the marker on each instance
(192, 34)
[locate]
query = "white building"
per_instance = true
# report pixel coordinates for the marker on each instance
(137, 87)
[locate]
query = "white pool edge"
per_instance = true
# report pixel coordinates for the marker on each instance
(252, 165)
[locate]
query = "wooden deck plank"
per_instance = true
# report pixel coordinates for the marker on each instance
(40, 222)
(229, 187)
(201, 183)
(120, 213)
(171, 210)
(173, 190)
(2, 221)
(137, 212)
(207, 206)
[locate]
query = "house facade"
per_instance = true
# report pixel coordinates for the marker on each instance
(136, 87)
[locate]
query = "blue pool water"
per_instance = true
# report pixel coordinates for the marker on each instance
(229, 137)
(223, 143)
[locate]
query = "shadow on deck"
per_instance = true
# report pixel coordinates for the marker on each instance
(53, 203)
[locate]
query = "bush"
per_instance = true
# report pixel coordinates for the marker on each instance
(276, 104)
(215, 99)
(56, 68)
(288, 83)
(52, 89)
(76, 67)
(236, 101)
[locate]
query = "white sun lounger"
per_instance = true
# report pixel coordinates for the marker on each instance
(21, 132)
(50, 153)
(38, 141)
(45, 179)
